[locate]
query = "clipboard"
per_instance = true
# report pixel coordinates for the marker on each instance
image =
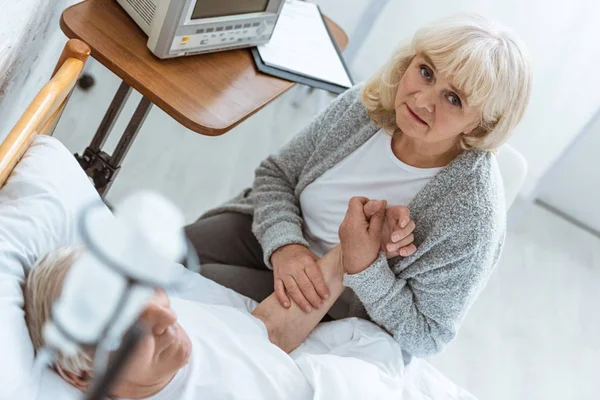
(304, 79)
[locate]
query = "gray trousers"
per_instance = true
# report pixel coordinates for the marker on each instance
(231, 255)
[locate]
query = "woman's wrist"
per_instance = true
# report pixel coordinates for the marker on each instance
(285, 249)
(354, 269)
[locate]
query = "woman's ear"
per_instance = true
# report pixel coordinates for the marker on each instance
(472, 128)
(475, 128)
(81, 382)
(475, 131)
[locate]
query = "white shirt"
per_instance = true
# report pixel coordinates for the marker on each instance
(371, 171)
(231, 358)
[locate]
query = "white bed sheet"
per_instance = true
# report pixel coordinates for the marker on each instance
(348, 359)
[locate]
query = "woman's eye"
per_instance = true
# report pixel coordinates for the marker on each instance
(425, 72)
(454, 100)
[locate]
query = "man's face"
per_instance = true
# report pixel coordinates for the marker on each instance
(164, 350)
(158, 356)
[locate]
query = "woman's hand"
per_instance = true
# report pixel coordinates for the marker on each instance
(295, 269)
(397, 233)
(360, 236)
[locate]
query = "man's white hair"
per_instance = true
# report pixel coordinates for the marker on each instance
(42, 288)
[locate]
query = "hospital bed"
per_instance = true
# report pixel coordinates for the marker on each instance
(44, 190)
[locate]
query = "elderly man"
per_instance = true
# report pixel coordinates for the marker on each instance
(177, 359)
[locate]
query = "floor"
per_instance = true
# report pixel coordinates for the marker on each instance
(533, 334)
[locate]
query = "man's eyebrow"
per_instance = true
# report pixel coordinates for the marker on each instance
(462, 94)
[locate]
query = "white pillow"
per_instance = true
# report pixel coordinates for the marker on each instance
(39, 206)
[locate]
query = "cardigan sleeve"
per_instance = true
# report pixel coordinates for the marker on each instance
(277, 216)
(423, 306)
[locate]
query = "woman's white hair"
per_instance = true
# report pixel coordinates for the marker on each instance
(486, 61)
(42, 288)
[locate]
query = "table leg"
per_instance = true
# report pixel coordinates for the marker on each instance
(131, 131)
(97, 164)
(113, 112)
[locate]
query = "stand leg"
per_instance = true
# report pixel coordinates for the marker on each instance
(102, 384)
(135, 123)
(113, 112)
(300, 95)
(97, 164)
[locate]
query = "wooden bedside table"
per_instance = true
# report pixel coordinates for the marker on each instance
(209, 94)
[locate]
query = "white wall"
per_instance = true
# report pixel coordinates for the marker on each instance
(562, 37)
(30, 44)
(573, 184)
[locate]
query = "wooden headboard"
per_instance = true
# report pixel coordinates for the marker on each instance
(43, 113)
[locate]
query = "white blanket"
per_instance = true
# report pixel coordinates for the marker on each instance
(348, 359)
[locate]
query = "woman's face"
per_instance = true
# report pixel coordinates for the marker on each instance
(430, 108)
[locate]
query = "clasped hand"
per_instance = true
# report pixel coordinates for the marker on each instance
(368, 228)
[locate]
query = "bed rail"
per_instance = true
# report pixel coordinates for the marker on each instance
(42, 115)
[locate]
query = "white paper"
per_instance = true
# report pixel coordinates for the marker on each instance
(302, 45)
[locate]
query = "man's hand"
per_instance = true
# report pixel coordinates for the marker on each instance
(397, 233)
(295, 269)
(289, 327)
(360, 236)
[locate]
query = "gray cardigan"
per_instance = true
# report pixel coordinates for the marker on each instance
(460, 227)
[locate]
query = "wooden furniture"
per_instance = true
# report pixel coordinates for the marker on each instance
(43, 113)
(209, 94)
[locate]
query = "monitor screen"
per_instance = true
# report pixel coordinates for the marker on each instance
(221, 8)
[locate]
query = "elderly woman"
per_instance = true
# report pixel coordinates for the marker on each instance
(421, 134)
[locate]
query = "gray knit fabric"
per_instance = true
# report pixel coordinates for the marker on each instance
(460, 227)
